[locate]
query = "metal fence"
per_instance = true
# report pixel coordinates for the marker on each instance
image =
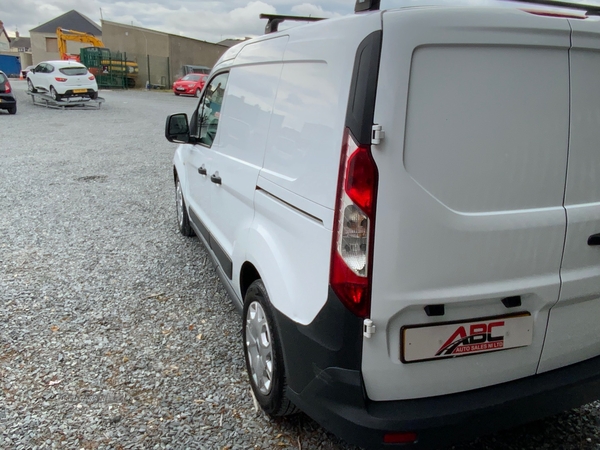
(112, 70)
(154, 71)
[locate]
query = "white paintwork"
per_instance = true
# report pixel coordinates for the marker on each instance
(305, 138)
(474, 103)
(573, 326)
(44, 81)
(462, 220)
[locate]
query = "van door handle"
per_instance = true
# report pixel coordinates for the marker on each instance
(215, 178)
(594, 239)
(202, 170)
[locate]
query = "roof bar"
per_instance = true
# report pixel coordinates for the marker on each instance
(366, 5)
(276, 19)
(591, 10)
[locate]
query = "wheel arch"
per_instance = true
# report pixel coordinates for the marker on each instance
(248, 275)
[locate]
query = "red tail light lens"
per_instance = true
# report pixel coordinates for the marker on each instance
(351, 254)
(91, 77)
(400, 438)
(62, 80)
(7, 88)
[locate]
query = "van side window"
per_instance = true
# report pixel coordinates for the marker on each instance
(210, 109)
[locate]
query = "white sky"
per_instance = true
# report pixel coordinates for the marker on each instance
(208, 20)
(201, 19)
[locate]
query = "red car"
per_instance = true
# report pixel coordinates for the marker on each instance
(191, 84)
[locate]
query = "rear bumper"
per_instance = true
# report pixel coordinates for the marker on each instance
(7, 101)
(336, 400)
(72, 93)
(333, 394)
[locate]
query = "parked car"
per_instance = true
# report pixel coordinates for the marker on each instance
(188, 68)
(25, 71)
(404, 206)
(62, 79)
(191, 84)
(8, 100)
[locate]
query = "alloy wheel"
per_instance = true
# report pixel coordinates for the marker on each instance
(259, 347)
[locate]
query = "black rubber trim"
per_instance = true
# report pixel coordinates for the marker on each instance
(222, 258)
(332, 339)
(363, 88)
(199, 225)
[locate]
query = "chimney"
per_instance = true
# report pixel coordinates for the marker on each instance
(17, 34)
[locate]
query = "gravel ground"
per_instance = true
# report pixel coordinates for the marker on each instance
(114, 330)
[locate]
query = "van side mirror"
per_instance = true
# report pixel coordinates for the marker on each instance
(177, 128)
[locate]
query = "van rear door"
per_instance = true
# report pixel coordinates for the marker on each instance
(573, 325)
(475, 108)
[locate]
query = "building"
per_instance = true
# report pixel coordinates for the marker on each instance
(159, 55)
(44, 43)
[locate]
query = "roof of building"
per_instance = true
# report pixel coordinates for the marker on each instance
(20, 42)
(71, 20)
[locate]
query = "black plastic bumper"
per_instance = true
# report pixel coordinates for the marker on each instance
(334, 395)
(7, 101)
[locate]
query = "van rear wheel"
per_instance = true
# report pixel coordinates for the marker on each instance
(262, 350)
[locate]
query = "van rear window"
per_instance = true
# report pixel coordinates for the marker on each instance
(74, 71)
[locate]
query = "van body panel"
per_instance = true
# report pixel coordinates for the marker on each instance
(238, 153)
(294, 257)
(472, 132)
(572, 329)
(305, 138)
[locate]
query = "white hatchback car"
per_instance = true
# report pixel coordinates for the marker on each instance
(62, 79)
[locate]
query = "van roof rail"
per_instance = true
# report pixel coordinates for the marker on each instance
(276, 19)
(366, 5)
(591, 10)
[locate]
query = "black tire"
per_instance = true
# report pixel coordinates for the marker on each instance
(130, 83)
(55, 95)
(183, 219)
(30, 87)
(12, 110)
(176, 93)
(273, 399)
(94, 95)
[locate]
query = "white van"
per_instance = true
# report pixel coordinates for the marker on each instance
(405, 205)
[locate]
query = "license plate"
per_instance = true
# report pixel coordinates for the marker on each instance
(79, 91)
(464, 338)
(180, 89)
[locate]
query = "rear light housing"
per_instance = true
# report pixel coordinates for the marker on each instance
(354, 226)
(91, 78)
(60, 79)
(7, 88)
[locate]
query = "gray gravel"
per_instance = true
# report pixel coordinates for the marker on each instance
(115, 332)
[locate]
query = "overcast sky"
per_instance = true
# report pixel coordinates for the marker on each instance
(200, 19)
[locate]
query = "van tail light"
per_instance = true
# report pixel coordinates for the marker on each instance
(354, 227)
(400, 438)
(62, 80)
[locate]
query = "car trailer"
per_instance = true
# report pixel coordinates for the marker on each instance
(69, 102)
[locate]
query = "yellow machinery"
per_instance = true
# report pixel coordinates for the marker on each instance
(129, 69)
